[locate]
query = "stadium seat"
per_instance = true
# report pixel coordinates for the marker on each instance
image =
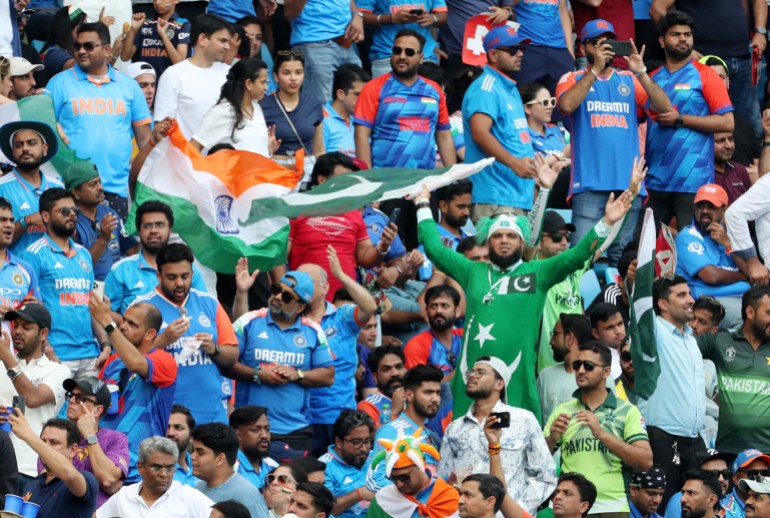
(589, 287)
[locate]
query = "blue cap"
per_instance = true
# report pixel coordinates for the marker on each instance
(301, 282)
(503, 36)
(746, 457)
(596, 28)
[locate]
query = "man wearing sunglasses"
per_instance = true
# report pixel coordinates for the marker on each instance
(758, 501)
(713, 462)
(598, 433)
(604, 105)
(749, 465)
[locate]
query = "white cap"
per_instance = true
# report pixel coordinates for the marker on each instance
(20, 67)
(758, 487)
(138, 68)
(501, 368)
(505, 222)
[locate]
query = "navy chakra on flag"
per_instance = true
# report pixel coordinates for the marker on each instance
(225, 223)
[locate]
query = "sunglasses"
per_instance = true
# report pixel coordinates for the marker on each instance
(281, 479)
(404, 479)
(557, 237)
(714, 303)
(756, 474)
(65, 211)
(88, 46)
(357, 443)
(513, 50)
(286, 297)
(80, 398)
(625, 356)
(409, 52)
(545, 103)
(724, 473)
(588, 365)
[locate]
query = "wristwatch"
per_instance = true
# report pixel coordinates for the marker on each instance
(679, 121)
(13, 373)
(761, 30)
(109, 328)
(255, 376)
(300, 375)
(217, 350)
(92, 439)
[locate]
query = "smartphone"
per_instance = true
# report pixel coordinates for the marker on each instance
(619, 48)
(418, 12)
(99, 289)
(20, 402)
(394, 215)
(503, 419)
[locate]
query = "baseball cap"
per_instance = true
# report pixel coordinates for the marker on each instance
(31, 312)
(596, 28)
(138, 68)
(79, 173)
(708, 455)
(713, 193)
(501, 368)
(553, 222)
(758, 487)
(20, 67)
(301, 282)
(746, 457)
(282, 452)
(503, 36)
(91, 386)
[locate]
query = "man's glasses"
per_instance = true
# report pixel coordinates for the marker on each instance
(286, 297)
(79, 398)
(404, 479)
(756, 474)
(512, 50)
(557, 237)
(88, 46)
(159, 468)
(476, 373)
(65, 211)
(545, 103)
(724, 473)
(588, 365)
(357, 443)
(160, 225)
(625, 356)
(280, 479)
(410, 53)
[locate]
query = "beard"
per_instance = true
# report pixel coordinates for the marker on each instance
(254, 453)
(478, 393)
(693, 513)
(406, 74)
(153, 248)
(441, 325)
(504, 261)
(559, 353)
(30, 164)
(424, 410)
(61, 230)
(455, 222)
(279, 313)
(760, 331)
(393, 384)
(676, 54)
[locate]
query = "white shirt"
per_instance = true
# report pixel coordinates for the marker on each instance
(187, 92)
(217, 128)
(6, 29)
(751, 206)
(177, 502)
(41, 371)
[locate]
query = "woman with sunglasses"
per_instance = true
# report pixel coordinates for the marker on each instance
(281, 486)
(297, 117)
(237, 118)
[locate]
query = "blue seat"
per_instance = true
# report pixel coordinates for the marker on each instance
(610, 274)
(589, 287)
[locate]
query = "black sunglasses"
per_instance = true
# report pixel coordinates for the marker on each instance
(724, 473)
(557, 237)
(512, 50)
(80, 398)
(65, 211)
(409, 52)
(89, 46)
(588, 365)
(404, 479)
(286, 297)
(756, 474)
(625, 356)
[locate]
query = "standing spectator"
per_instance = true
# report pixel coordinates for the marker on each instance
(66, 276)
(29, 144)
(312, 500)
(95, 99)
(338, 129)
(57, 52)
(190, 88)
(215, 448)
(252, 428)
(604, 106)
(145, 75)
(324, 31)
(162, 42)
(729, 175)
(680, 142)
(624, 384)
(620, 13)
(645, 492)
(145, 376)
(17, 279)
(32, 375)
(62, 489)
(608, 326)
(615, 429)
(387, 366)
(389, 17)
(99, 228)
(529, 468)
(22, 78)
(181, 423)
(195, 330)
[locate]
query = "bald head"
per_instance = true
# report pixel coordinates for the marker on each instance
(152, 317)
(321, 281)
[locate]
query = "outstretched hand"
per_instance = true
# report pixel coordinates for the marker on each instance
(616, 208)
(638, 173)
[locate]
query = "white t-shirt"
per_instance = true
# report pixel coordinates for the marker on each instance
(187, 92)
(6, 29)
(217, 128)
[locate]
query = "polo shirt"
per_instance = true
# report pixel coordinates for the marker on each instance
(247, 471)
(25, 200)
(144, 404)
(338, 132)
(495, 95)
(540, 22)
(150, 47)
(87, 232)
(199, 383)
(320, 21)
(93, 112)
(65, 280)
(186, 478)
(133, 276)
(341, 327)
(56, 500)
(302, 346)
(403, 120)
(177, 502)
(17, 280)
(342, 478)
(426, 349)
(583, 453)
(735, 180)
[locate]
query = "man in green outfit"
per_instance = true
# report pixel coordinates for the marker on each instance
(505, 298)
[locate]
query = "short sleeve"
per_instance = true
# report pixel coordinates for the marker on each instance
(55, 381)
(368, 104)
(322, 355)
(566, 82)
(116, 449)
(225, 333)
(417, 350)
(361, 233)
(438, 6)
(183, 37)
(641, 98)
(166, 102)
(482, 101)
(163, 368)
(198, 283)
(715, 91)
(113, 289)
(443, 113)
(216, 127)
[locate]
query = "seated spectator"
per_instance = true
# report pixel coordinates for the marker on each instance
(607, 326)
(229, 509)
(252, 428)
(712, 462)
(387, 366)
(758, 501)
(624, 384)
(700, 495)
(158, 494)
(215, 450)
(338, 132)
(707, 314)
(314, 469)
(162, 42)
(282, 483)
(729, 175)
(22, 78)
(646, 491)
(574, 496)
(181, 423)
(312, 500)
(703, 255)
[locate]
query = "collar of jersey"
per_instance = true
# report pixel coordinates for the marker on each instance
(82, 75)
(184, 302)
(56, 247)
(610, 402)
(492, 70)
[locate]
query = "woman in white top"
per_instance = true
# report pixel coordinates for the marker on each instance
(237, 118)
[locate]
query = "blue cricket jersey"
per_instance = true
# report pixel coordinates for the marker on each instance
(25, 200)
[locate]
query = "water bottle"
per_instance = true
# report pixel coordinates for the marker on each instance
(385, 415)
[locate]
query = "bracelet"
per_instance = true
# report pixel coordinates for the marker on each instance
(494, 450)
(358, 494)
(378, 19)
(399, 270)
(640, 73)
(765, 143)
(435, 19)
(422, 204)
(381, 252)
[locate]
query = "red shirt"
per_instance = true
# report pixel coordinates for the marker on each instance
(735, 180)
(620, 13)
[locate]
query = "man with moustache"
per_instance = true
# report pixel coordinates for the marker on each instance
(712, 462)
(347, 463)
(700, 495)
(22, 78)
(758, 501)
(17, 279)
(29, 144)
(251, 425)
(387, 366)
(181, 423)
(645, 491)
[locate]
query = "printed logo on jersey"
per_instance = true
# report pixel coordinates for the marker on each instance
(730, 354)
(204, 321)
(624, 89)
(17, 279)
(300, 341)
(696, 248)
(682, 87)
(84, 264)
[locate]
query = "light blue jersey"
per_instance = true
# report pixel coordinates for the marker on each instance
(25, 199)
(17, 280)
(342, 478)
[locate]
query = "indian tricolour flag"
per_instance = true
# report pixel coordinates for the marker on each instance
(40, 108)
(236, 204)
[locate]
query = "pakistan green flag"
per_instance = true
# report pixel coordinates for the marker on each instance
(644, 347)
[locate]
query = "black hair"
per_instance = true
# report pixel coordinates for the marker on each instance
(432, 72)
(245, 415)
(73, 432)
(600, 348)
(624, 263)
(488, 486)
(420, 374)
(713, 61)
(586, 488)
(286, 57)
(297, 471)
(346, 75)
(457, 85)
(309, 465)
(218, 437)
(578, 325)
(661, 289)
(235, 85)
(153, 206)
(5, 204)
(752, 297)
(181, 409)
(244, 47)
(376, 356)
(602, 312)
(173, 253)
(349, 419)
(250, 20)
(453, 190)
(207, 24)
(442, 289)
(674, 17)
(99, 28)
(152, 318)
(50, 197)
(326, 163)
(466, 244)
(323, 500)
(713, 306)
(232, 509)
(409, 32)
(709, 481)
(342, 294)
(60, 32)
(222, 146)
(529, 91)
